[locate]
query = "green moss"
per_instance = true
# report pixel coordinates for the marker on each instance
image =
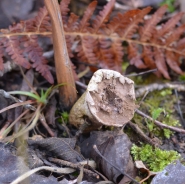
(125, 64)
(170, 3)
(182, 78)
(155, 158)
(160, 106)
(65, 116)
(146, 79)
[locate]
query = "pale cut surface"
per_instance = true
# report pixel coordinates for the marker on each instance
(109, 100)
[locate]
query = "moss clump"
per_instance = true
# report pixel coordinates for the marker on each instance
(65, 116)
(159, 105)
(155, 158)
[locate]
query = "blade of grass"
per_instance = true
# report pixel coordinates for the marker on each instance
(5, 132)
(26, 93)
(32, 125)
(28, 102)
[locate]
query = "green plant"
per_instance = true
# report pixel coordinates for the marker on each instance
(155, 158)
(170, 4)
(160, 105)
(40, 100)
(98, 40)
(182, 77)
(156, 112)
(65, 116)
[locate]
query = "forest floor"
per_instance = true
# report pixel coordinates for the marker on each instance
(136, 153)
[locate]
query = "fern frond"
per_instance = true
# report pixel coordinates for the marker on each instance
(1, 57)
(121, 21)
(98, 41)
(84, 24)
(175, 35)
(170, 24)
(86, 50)
(133, 24)
(148, 56)
(181, 44)
(64, 9)
(172, 62)
(12, 45)
(135, 58)
(35, 55)
(72, 24)
(147, 31)
(42, 21)
(26, 48)
(117, 49)
(160, 62)
(103, 16)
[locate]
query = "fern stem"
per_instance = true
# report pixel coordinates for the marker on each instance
(98, 36)
(64, 73)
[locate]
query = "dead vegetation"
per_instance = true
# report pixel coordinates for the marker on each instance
(93, 127)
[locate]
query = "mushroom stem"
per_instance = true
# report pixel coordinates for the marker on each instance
(109, 100)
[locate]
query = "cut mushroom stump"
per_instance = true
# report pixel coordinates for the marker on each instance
(109, 100)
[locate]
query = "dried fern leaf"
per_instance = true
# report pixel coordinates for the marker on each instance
(170, 24)
(172, 62)
(103, 16)
(64, 4)
(98, 41)
(135, 58)
(160, 62)
(133, 25)
(146, 32)
(84, 24)
(173, 37)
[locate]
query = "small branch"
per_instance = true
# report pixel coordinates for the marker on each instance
(52, 169)
(142, 73)
(67, 93)
(140, 133)
(7, 95)
(179, 108)
(44, 123)
(141, 91)
(158, 123)
(74, 166)
(3, 133)
(27, 106)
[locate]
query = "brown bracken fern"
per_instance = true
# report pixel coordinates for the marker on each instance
(98, 40)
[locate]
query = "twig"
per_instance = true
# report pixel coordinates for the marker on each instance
(43, 121)
(179, 108)
(139, 132)
(142, 73)
(27, 106)
(74, 166)
(81, 84)
(141, 91)
(7, 95)
(28, 102)
(98, 152)
(144, 96)
(158, 123)
(8, 128)
(52, 169)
